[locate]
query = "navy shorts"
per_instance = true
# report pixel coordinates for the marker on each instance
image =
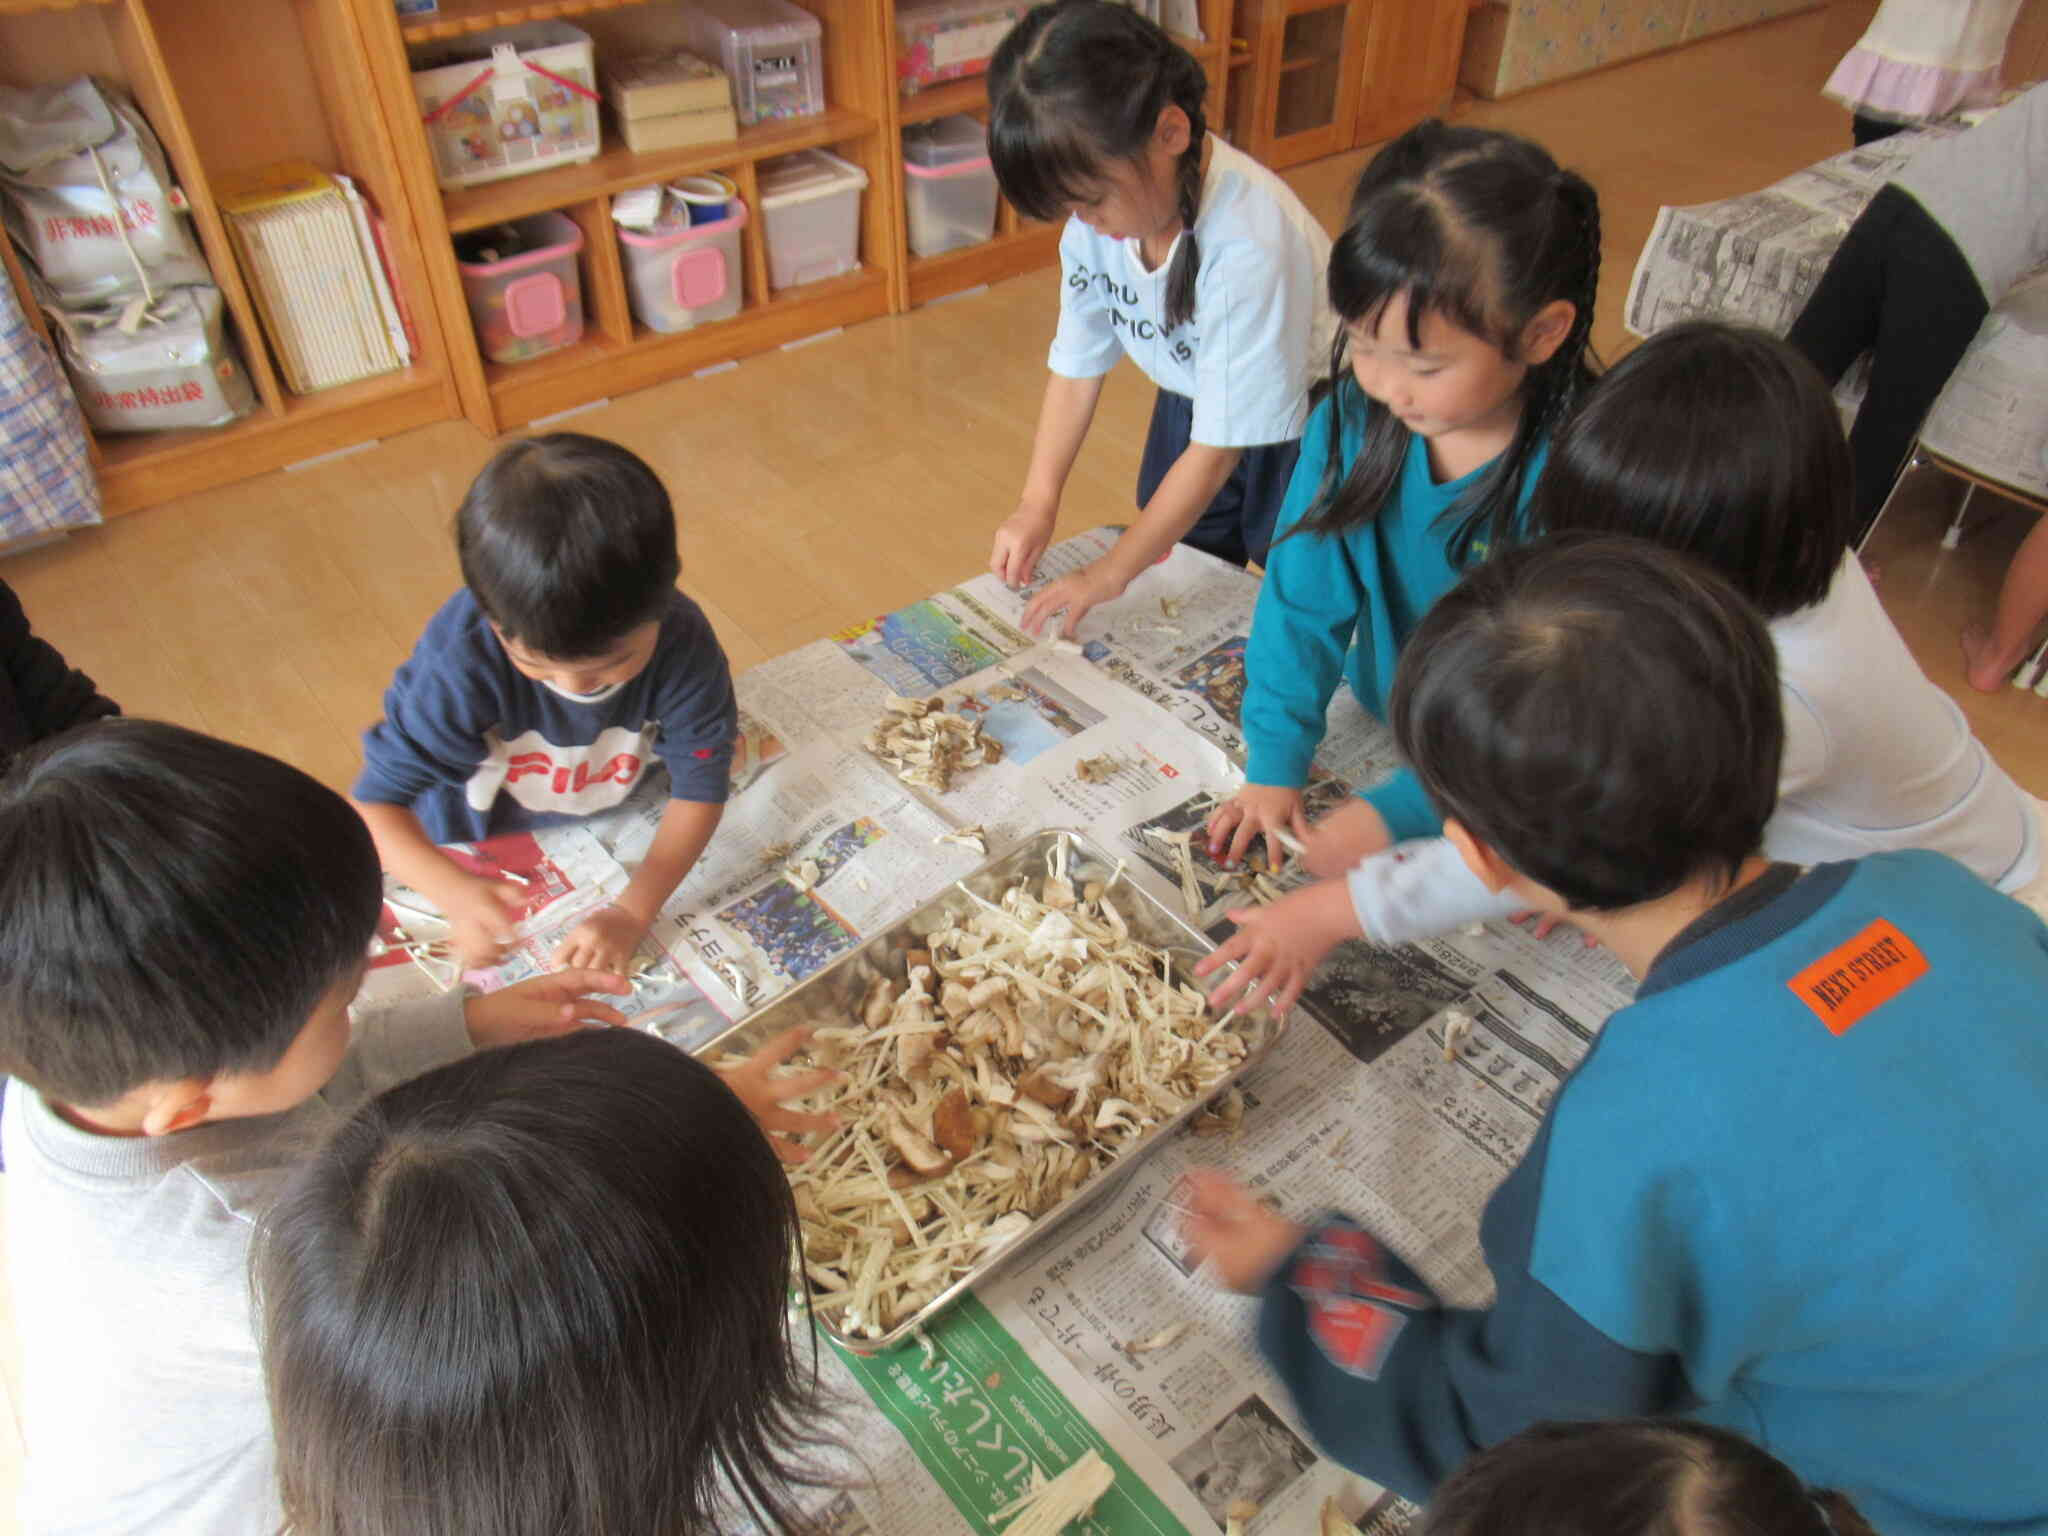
(1238, 525)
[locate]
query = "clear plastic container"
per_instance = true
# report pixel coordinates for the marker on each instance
(810, 208)
(938, 40)
(772, 51)
(949, 184)
(526, 301)
(680, 274)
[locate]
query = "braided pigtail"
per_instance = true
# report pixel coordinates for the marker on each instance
(1574, 358)
(1189, 86)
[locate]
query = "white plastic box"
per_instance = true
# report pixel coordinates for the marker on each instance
(772, 51)
(810, 208)
(950, 185)
(507, 101)
(680, 274)
(528, 302)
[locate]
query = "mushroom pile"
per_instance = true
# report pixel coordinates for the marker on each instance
(1022, 1048)
(926, 746)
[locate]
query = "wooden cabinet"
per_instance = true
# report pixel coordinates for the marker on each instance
(231, 84)
(1410, 64)
(617, 353)
(1317, 77)
(228, 85)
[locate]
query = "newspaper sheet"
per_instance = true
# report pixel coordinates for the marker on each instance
(1993, 417)
(1756, 258)
(1358, 1109)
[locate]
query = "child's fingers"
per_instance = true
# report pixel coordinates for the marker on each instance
(781, 1089)
(580, 979)
(1230, 949)
(789, 1151)
(777, 1049)
(583, 1012)
(796, 1123)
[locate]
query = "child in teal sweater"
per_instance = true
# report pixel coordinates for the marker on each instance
(1464, 282)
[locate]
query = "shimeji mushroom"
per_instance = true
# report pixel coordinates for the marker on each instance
(1014, 1056)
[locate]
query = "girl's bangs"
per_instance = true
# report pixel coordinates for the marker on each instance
(1398, 249)
(1044, 167)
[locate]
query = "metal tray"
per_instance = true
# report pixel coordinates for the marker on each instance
(833, 996)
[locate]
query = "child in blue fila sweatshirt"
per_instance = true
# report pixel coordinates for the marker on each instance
(546, 689)
(1794, 1188)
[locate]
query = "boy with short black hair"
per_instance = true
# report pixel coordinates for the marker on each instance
(544, 689)
(1793, 1188)
(182, 925)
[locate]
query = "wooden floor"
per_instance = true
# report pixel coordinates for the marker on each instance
(825, 484)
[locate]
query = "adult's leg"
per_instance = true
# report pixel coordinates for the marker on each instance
(1990, 655)
(1899, 287)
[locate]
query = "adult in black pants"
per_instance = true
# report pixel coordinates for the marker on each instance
(1919, 270)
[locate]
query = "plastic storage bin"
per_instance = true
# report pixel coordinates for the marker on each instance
(680, 274)
(528, 302)
(939, 40)
(810, 208)
(507, 101)
(950, 185)
(772, 52)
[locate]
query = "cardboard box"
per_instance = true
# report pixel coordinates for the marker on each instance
(677, 130)
(664, 85)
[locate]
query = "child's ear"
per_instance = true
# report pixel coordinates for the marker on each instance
(178, 1106)
(1547, 330)
(1170, 136)
(1487, 866)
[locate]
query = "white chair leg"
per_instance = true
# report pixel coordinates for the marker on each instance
(1913, 461)
(1954, 536)
(2037, 669)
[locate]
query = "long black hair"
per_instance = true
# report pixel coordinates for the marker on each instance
(1632, 1477)
(538, 1292)
(1718, 440)
(1483, 228)
(1078, 84)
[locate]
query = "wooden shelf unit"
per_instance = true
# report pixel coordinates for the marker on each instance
(1017, 246)
(172, 56)
(617, 353)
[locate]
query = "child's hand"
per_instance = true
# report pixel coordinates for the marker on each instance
(1254, 811)
(605, 940)
(1077, 593)
(1544, 924)
(481, 913)
(1020, 541)
(764, 1092)
(541, 1006)
(1228, 1229)
(1335, 845)
(1280, 946)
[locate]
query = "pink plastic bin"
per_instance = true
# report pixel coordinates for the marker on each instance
(528, 305)
(679, 275)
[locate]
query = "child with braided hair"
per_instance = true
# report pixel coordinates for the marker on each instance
(1180, 252)
(1463, 283)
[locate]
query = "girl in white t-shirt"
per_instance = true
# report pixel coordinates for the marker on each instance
(1179, 252)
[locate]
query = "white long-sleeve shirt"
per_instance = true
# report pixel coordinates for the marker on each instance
(1877, 758)
(143, 1392)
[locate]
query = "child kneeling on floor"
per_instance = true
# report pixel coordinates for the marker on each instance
(182, 926)
(1792, 1189)
(545, 689)
(540, 1292)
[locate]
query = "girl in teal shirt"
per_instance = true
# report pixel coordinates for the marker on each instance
(1464, 281)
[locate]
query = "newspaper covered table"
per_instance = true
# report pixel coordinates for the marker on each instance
(1366, 1114)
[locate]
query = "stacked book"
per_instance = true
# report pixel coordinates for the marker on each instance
(310, 248)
